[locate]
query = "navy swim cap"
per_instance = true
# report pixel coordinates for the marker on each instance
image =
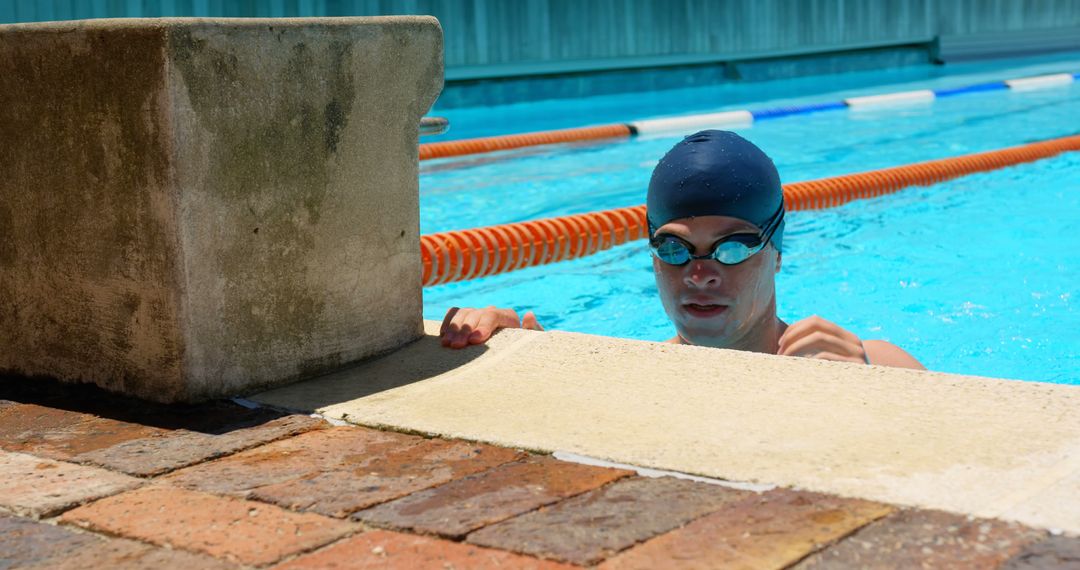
(716, 173)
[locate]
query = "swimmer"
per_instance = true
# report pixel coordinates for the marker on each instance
(715, 212)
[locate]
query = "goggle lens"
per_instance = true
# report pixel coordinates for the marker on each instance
(732, 250)
(672, 251)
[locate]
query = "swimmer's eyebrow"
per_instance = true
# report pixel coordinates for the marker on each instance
(735, 232)
(716, 237)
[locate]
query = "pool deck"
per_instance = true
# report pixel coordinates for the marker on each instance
(480, 458)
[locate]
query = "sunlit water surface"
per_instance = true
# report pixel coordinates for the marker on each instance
(976, 276)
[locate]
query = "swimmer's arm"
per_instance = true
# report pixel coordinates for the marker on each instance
(815, 337)
(888, 354)
(463, 326)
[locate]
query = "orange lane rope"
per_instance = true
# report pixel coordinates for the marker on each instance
(468, 254)
(507, 142)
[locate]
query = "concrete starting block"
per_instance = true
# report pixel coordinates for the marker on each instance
(196, 208)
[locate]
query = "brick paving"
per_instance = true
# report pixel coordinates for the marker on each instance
(1053, 553)
(237, 530)
(162, 453)
(123, 484)
(472, 502)
(39, 487)
(770, 530)
(927, 539)
(386, 549)
(63, 434)
(30, 544)
(588, 528)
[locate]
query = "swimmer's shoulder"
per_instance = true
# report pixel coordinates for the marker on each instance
(885, 353)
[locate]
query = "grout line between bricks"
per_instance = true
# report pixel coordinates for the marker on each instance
(609, 555)
(463, 537)
(167, 471)
(362, 530)
(107, 536)
(655, 473)
(842, 538)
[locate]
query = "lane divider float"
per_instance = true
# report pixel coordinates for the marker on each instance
(726, 119)
(468, 254)
(1040, 82)
(901, 98)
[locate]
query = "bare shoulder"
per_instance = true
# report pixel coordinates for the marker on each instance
(885, 353)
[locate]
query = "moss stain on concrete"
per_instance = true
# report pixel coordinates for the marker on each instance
(88, 166)
(273, 151)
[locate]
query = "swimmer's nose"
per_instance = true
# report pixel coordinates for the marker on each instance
(702, 273)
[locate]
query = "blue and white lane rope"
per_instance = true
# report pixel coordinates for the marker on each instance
(743, 118)
(727, 119)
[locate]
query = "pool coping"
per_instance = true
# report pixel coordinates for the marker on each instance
(969, 445)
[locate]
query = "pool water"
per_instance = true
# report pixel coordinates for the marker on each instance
(979, 275)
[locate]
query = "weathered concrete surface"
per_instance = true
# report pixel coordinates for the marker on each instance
(192, 208)
(980, 446)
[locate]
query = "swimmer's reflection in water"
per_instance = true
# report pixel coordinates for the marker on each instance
(716, 228)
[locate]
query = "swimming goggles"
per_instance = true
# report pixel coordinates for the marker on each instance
(731, 250)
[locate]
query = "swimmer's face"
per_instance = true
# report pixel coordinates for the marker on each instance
(712, 304)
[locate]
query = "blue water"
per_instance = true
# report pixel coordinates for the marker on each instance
(979, 275)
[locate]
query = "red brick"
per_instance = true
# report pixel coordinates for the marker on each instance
(304, 455)
(464, 505)
(771, 530)
(28, 544)
(1053, 553)
(236, 530)
(588, 528)
(926, 539)
(38, 487)
(384, 549)
(62, 434)
(431, 462)
(170, 450)
(339, 471)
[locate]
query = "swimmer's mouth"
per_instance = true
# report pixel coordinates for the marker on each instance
(704, 310)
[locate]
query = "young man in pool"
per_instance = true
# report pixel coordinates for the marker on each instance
(716, 226)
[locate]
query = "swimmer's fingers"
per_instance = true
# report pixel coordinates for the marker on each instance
(456, 327)
(447, 320)
(491, 320)
(462, 327)
(822, 342)
(528, 321)
(449, 326)
(811, 325)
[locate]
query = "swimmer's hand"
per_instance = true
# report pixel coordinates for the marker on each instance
(816, 337)
(462, 327)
